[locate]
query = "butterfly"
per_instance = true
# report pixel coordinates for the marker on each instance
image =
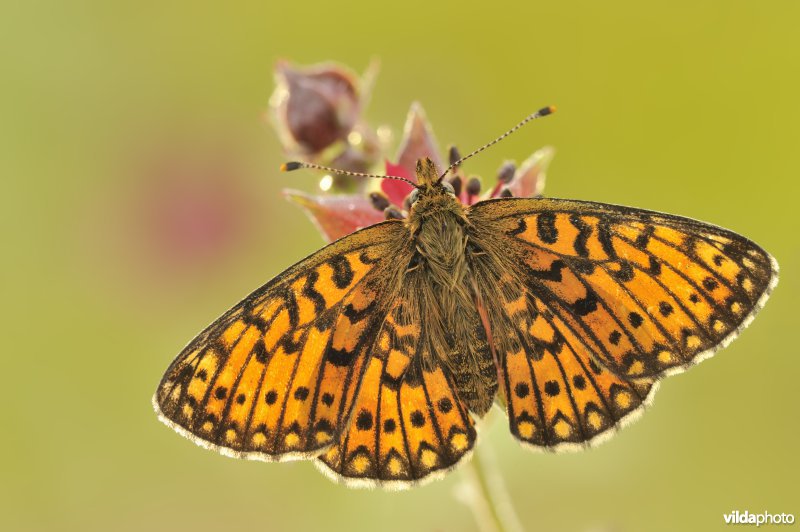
(376, 355)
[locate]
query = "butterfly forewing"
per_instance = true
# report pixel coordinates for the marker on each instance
(646, 293)
(593, 302)
(277, 375)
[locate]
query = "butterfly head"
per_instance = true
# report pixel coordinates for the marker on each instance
(429, 182)
(427, 174)
(432, 194)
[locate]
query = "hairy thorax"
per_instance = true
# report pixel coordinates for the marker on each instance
(440, 240)
(447, 299)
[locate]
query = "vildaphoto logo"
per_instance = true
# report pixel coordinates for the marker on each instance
(764, 518)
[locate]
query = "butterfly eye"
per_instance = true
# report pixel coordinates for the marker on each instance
(414, 196)
(449, 188)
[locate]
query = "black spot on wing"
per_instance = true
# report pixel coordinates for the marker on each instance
(522, 390)
(615, 337)
(393, 383)
(584, 266)
(522, 226)
(546, 227)
(636, 319)
(604, 237)
(323, 425)
(250, 317)
(310, 292)
(301, 393)
(655, 266)
(585, 305)
(625, 272)
(342, 272)
(445, 405)
(364, 420)
(366, 259)
(356, 316)
(260, 352)
(644, 237)
(340, 357)
(552, 388)
(290, 346)
(290, 304)
(327, 399)
(552, 274)
(584, 232)
(270, 397)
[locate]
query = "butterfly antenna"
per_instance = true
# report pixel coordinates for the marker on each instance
(296, 165)
(544, 111)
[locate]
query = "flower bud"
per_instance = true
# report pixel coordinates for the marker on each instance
(453, 155)
(393, 213)
(473, 186)
(314, 106)
(456, 183)
(379, 200)
(506, 172)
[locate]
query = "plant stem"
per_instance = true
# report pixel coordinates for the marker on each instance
(484, 491)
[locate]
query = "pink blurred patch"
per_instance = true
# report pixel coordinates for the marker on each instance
(186, 209)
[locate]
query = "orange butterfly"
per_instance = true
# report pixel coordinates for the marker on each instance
(374, 354)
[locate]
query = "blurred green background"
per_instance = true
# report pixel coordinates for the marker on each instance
(113, 113)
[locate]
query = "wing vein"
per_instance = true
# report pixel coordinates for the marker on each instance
(537, 393)
(644, 309)
(722, 280)
(432, 414)
(583, 366)
(568, 386)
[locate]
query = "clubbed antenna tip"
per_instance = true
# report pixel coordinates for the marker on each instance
(544, 111)
(290, 166)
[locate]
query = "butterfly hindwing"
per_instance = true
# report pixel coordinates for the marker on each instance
(277, 375)
(557, 396)
(647, 293)
(408, 422)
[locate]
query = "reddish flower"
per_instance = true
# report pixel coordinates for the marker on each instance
(418, 142)
(336, 213)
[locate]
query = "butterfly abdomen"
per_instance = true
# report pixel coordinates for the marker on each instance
(472, 365)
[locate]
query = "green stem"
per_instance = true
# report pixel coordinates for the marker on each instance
(485, 493)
